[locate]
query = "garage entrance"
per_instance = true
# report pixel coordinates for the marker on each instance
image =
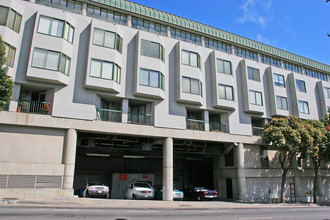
(101, 157)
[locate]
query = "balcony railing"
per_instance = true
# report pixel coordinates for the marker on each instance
(257, 131)
(34, 107)
(108, 115)
(219, 126)
(193, 124)
(137, 118)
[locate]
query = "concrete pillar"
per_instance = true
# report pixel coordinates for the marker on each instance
(168, 31)
(129, 21)
(203, 42)
(14, 98)
(297, 191)
(241, 182)
(124, 111)
(84, 9)
(69, 158)
(206, 120)
(168, 169)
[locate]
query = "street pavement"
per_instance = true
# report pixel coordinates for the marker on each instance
(76, 202)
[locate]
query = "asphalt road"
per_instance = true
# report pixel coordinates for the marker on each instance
(285, 213)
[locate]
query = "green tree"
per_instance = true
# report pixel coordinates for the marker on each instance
(318, 150)
(287, 135)
(6, 83)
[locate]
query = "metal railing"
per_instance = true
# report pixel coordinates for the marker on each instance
(137, 118)
(257, 131)
(193, 124)
(219, 126)
(34, 107)
(108, 115)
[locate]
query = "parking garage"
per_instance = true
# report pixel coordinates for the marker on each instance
(107, 158)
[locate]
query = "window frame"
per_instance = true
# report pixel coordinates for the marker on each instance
(277, 80)
(190, 58)
(305, 104)
(17, 15)
(327, 89)
(279, 105)
(149, 48)
(161, 79)
(116, 70)
(190, 87)
(255, 97)
(223, 66)
(298, 81)
(9, 62)
(118, 42)
(256, 75)
(225, 89)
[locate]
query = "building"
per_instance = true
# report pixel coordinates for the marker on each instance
(106, 88)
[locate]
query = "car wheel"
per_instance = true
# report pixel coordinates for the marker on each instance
(107, 196)
(198, 198)
(134, 197)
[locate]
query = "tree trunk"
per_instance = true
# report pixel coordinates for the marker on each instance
(285, 171)
(316, 176)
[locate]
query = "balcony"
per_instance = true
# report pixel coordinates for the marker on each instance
(139, 118)
(257, 131)
(193, 124)
(108, 115)
(33, 107)
(219, 127)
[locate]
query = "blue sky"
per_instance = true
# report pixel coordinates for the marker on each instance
(297, 26)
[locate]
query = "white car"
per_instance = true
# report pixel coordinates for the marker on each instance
(95, 189)
(139, 190)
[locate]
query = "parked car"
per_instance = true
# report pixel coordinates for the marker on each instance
(139, 190)
(177, 194)
(96, 189)
(200, 193)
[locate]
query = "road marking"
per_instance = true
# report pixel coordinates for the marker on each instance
(255, 218)
(214, 211)
(76, 210)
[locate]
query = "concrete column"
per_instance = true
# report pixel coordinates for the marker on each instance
(14, 98)
(241, 182)
(203, 42)
(124, 111)
(69, 158)
(168, 31)
(168, 169)
(84, 9)
(206, 120)
(129, 21)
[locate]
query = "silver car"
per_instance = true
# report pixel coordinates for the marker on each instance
(96, 189)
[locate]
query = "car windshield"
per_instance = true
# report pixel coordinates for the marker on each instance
(95, 183)
(146, 185)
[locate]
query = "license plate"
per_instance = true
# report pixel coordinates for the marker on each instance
(100, 191)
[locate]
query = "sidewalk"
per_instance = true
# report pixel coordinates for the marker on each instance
(138, 204)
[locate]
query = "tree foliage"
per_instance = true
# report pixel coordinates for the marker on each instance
(289, 136)
(6, 83)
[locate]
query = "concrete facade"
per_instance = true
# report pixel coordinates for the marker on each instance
(40, 147)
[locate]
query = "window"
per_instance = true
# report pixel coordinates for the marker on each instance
(152, 49)
(292, 67)
(241, 52)
(270, 60)
(281, 103)
(10, 54)
(303, 107)
(255, 98)
(151, 78)
(253, 74)
(316, 74)
(301, 85)
(70, 5)
(107, 39)
(149, 26)
(191, 85)
(105, 70)
(224, 66)
(327, 92)
(190, 58)
(56, 27)
(225, 92)
(108, 15)
(51, 60)
(186, 36)
(217, 45)
(10, 18)
(279, 80)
